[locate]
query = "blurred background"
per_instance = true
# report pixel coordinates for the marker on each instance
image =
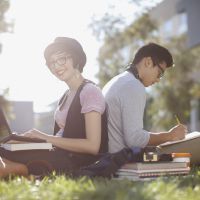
(110, 32)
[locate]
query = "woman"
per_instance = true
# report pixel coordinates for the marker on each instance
(80, 121)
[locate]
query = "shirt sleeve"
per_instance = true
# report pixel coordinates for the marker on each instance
(133, 101)
(91, 99)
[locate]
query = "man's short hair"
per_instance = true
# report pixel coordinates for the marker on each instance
(157, 52)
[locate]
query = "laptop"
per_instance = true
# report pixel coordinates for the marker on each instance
(7, 134)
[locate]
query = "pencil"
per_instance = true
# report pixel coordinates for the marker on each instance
(177, 119)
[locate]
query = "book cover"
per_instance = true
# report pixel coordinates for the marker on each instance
(154, 165)
(26, 146)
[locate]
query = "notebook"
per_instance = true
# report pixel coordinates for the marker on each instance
(15, 142)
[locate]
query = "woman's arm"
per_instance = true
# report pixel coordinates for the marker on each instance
(90, 144)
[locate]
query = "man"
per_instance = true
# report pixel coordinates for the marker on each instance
(126, 98)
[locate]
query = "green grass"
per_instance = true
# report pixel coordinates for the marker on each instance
(61, 187)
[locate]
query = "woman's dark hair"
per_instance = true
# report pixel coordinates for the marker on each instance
(68, 45)
(158, 54)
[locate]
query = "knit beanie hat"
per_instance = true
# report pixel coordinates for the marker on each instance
(68, 45)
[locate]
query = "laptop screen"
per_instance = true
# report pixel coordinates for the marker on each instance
(4, 127)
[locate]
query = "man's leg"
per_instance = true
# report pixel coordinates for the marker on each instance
(8, 167)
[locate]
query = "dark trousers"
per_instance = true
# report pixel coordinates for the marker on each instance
(46, 161)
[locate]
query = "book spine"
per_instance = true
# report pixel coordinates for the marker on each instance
(146, 166)
(152, 174)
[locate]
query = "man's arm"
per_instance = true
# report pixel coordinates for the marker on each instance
(176, 133)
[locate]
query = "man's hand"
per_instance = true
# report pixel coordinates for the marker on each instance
(178, 132)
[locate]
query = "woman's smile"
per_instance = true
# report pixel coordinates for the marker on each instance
(60, 72)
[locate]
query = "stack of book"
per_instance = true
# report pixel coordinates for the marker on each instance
(151, 170)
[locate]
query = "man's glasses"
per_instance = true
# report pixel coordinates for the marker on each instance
(59, 61)
(161, 74)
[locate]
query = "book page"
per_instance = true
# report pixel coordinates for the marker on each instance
(189, 136)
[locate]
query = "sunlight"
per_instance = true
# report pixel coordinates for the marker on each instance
(36, 24)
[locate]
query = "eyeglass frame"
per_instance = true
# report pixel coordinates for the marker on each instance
(52, 64)
(160, 75)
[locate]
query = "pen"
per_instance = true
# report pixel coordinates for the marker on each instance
(177, 120)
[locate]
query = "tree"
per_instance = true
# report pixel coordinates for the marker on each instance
(4, 27)
(174, 93)
(3, 101)
(118, 48)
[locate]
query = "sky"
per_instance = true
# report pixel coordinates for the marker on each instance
(36, 24)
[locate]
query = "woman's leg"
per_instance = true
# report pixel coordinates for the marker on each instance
(8, 167)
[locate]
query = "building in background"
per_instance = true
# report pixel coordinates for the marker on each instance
(44, 121)
(21, 117)
(175, 17)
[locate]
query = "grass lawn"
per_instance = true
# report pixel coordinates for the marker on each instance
(61, 187)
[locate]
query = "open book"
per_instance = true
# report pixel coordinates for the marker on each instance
(189, 136)
(190, 144)
(14, 142)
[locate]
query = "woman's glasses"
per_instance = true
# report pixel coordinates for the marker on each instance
(59, 61)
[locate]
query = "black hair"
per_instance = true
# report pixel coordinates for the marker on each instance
(68, 45)
(157, 53)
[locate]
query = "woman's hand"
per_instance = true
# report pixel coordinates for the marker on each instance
(34, 133)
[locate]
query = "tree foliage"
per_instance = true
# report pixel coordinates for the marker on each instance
(179, 86)
(118, 49)
(174, 93)
(4, 27)
(4, 103)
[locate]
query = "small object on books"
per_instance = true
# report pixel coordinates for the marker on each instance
(150, 154)
(181, 157)
(150, 157)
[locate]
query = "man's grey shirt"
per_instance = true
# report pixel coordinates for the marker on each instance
(126, 98)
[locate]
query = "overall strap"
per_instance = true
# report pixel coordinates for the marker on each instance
(85, 81)
(64, 98)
